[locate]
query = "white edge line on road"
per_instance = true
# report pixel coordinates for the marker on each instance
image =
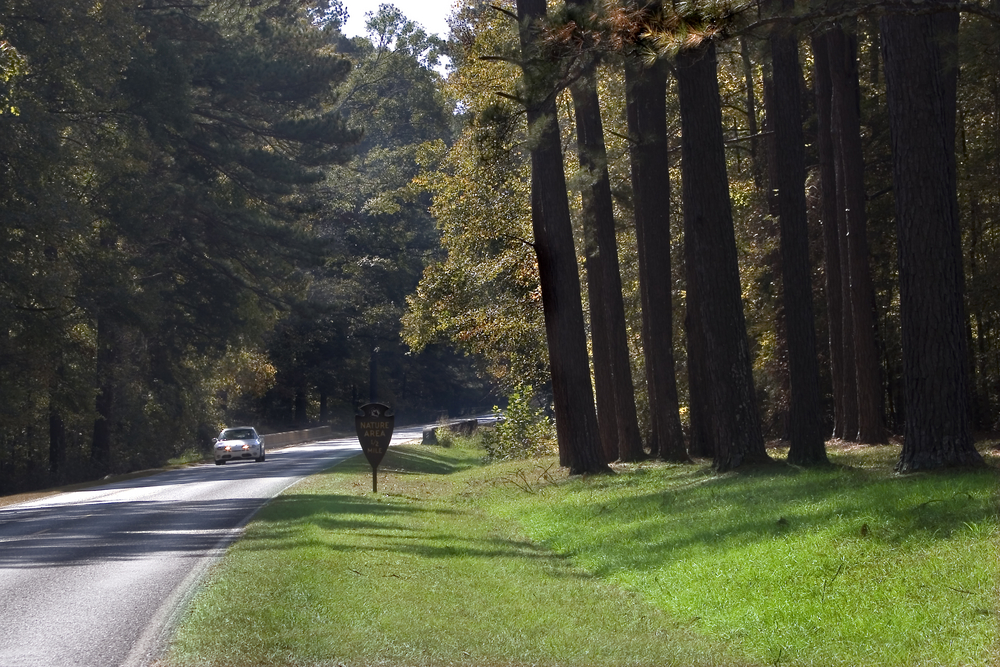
(151, 643)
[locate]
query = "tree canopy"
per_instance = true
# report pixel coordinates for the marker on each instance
(205, 208)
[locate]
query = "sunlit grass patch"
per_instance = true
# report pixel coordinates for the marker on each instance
(456, 562)
(846, 565)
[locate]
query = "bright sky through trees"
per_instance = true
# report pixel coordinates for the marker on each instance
(430, 14)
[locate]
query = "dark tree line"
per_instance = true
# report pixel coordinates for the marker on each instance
(182, 144)
(179, 248)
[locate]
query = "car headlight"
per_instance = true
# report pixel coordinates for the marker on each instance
(245, 446)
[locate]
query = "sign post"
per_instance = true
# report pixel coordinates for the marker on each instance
(374, 425)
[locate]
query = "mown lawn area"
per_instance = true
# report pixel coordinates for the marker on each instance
(459, 562)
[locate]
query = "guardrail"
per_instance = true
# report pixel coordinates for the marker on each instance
(295, 437)
(464, 427)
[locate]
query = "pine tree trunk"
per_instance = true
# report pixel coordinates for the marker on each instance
(758, 172)
(373, 393)
(778, 371)
(846, 129)
(57, 440)
(805, 426)
(708, 226)
(831, 232)
(850, 399)
(324, 407)
(921, 92)
(573, 397)
(700, 443)
(301, 418)
(100, 447)
(600, 350)
(645, 93)
(598, 216)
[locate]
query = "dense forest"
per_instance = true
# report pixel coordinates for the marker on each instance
(207, 219)
(692, 228)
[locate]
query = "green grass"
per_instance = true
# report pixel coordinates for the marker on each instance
(840, 566)
(457, 563)
(189, 456)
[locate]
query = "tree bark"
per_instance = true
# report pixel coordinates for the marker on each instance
(300, 419)
(708, 226)
(921, 93)
(645, 94)
(805, 426)
(846, 129)
(598, 216)
(778, 368)
(373, 391)
(100, 447)
(831, 231)
(57, 439)
(600, 349)
(850, 386)
(700, 443)
(324, 406)
(573, 397)
(755, 158)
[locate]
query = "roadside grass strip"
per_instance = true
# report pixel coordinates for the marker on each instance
(420, 574)
(458, 562)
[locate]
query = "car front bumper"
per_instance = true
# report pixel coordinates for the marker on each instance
(237, 454)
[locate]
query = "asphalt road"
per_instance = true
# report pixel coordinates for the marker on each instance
(97, 578)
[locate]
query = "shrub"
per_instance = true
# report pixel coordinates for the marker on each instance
(523, 432)
(445, 438)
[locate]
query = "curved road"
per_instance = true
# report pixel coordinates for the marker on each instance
(95, 578)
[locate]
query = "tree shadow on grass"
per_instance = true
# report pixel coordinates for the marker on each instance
(362, 524)
(404, 460)
(424, 461)
(744, 509)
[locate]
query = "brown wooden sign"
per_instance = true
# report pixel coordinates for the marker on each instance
(374, 425)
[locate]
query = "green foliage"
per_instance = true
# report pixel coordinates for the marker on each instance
(243, 204)
(377, 235)
(206, 214)
(445, 437)
(524, 431)
(482, 296)
(468, 300)
(158, 163)
(450, 439)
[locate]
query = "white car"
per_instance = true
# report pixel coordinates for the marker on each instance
(240, 443)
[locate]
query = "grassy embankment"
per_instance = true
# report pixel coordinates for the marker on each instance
(459, 563)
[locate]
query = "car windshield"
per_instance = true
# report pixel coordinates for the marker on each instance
(238, 434)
